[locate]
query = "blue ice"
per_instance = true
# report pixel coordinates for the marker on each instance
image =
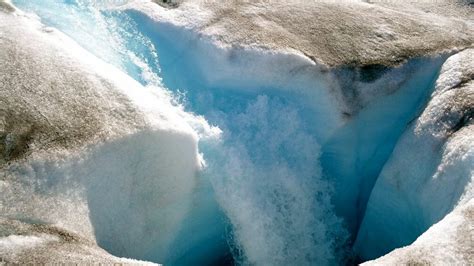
(289, 182)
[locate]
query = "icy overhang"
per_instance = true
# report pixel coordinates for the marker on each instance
(329, 32)
(270, 133)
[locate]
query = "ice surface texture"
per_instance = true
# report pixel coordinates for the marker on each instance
(131, 162)
(66, 112)
(431, 169)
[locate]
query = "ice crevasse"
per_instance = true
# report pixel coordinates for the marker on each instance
(206, 153)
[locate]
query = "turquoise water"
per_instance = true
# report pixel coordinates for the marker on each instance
(279, 187)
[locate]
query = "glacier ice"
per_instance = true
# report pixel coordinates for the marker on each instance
(355, 154)
(15, 243)
(75, 144)
(284, 175)
(448, 242)
(431, 169)
(265, 169)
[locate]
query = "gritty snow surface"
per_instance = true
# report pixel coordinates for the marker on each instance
(330, 32)
(196, 132)
(448, 242)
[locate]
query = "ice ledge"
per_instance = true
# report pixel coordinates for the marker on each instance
(329, 33)
(72, 130)
(34, 243)
(449, 242)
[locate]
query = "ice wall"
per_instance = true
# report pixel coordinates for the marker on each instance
(265, 171)
(431, 169)
(279, 114)
(102, 157)
(355, 154)
(448, 242)
(129, 204)
(288, 180)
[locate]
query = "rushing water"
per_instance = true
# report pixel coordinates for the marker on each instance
(110, 35)
(265, 197)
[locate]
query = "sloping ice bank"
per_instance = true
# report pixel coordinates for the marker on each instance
(302, 146)
(73, 133)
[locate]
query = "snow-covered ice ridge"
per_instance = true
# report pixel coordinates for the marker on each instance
(380, 32)
(206, 133)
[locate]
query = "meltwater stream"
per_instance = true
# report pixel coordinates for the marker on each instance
(288, 182)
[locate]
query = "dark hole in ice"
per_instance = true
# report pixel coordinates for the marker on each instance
(371, 73)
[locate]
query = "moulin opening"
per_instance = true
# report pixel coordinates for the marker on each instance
(301, 150)
(380, 101)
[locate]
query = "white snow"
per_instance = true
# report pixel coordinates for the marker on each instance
(287, 130)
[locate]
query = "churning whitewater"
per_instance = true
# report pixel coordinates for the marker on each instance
(216, 154)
